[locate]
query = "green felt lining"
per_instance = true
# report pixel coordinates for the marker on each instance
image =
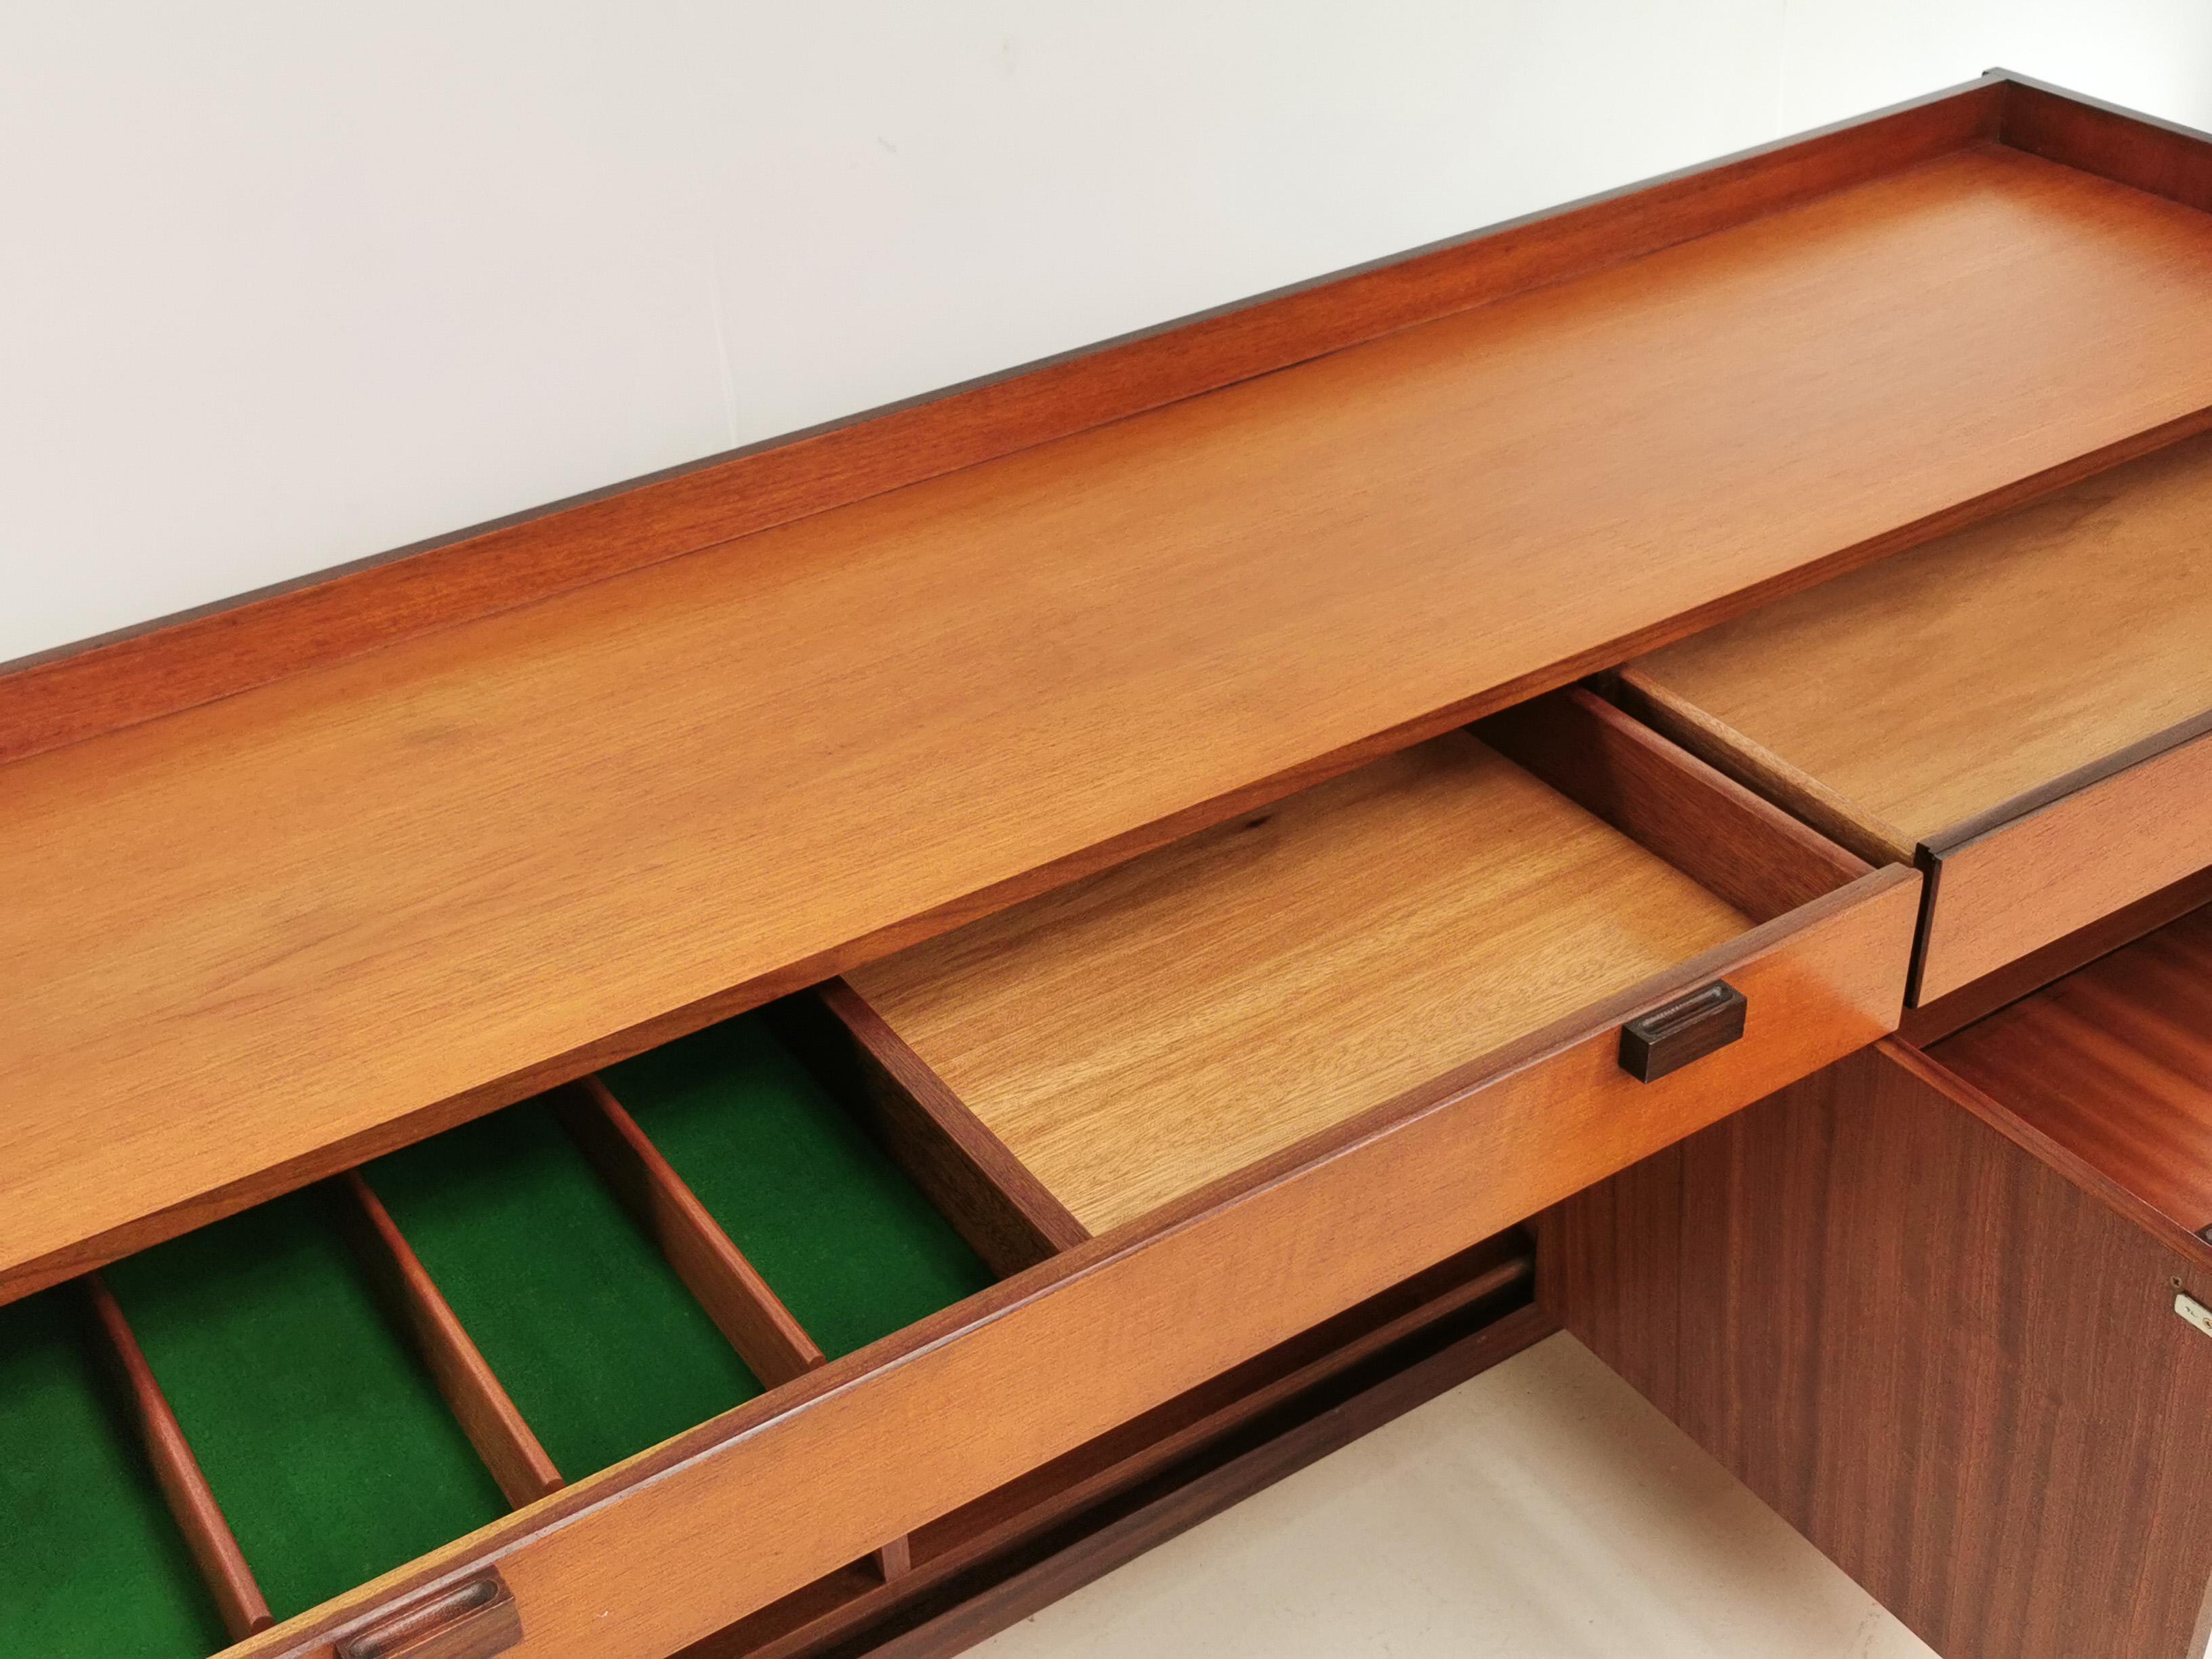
(602, 1348)
(320, 1431)
(319, 1427)
(832, 1223)
(91, 1564)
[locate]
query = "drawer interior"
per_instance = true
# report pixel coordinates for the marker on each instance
(2114, 1062)
(324, 1441)
(851, 1245)
(90, 1563)
(1892, 704)
(601, 1347)
(1142, 1033)
(364, 1371)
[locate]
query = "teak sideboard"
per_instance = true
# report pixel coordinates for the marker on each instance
(794, 1058)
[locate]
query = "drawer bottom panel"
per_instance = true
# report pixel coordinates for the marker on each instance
(91, 1566)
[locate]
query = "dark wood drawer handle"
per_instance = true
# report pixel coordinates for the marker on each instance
(472, 1619)
(1689, 1028)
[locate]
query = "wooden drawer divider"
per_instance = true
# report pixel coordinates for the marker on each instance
(736, 1298)
(995, 1205)
(992, 1199)
(479, 1401)
(222, 1567)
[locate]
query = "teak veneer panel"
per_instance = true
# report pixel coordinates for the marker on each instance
(2114, 1063)
(1139, 1033)
(1938, 1357)
(2088, 847)
(1920, 692)
(207, 1536)
(257, 935)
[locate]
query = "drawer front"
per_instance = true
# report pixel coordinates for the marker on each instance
(2034, 870)
(656, 1554)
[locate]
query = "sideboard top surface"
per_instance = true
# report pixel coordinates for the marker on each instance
(256, 928)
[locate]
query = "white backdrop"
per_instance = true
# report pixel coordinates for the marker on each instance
(284, 284)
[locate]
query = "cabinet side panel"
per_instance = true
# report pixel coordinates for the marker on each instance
(1957, 1375)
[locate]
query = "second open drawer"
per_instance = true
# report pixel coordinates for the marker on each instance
(2024, 706)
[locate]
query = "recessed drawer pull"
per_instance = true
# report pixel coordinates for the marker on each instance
(474, 1619)
(1690, 1027)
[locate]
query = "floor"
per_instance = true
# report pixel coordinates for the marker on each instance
(1542, 1510)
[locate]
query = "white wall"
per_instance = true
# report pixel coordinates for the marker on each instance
(284, 284)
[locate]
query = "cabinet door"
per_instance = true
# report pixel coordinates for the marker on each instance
(1957, 1373)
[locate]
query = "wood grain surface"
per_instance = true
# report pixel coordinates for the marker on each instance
(1731, 841)
(208, 1538)
(639, 1560)
(2004, 889)
(1837, 818)
(480, 1401)
(713, 1269)
(1137, 1035)
(478, 862)
(1954, 1371)
(1935, 1020)
(1922, 691)
(1040, 1536)
(2114, 1062)
(2163, 157)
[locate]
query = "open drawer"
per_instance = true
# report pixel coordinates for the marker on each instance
(601, 1373)
(2025, 707)
(1381, 940)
